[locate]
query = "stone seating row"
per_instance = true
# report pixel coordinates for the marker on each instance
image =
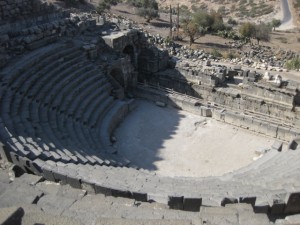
(56, 102)
(178, 192)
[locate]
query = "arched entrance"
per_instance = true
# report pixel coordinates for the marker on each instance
(118, 75)
(129, 50)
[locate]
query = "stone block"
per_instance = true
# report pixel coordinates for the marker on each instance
(5, 153)
(219, 215)
(47, 173)
(228, 200)
(277, 145)
(293, 144)
(60, 175)
(11, 215)
(206, 112)
(272, 130)
(229, 117)
(246, 122)
(73, 181)
(192, 204)
(282, 133)
(294, 219)
(175, 202)
(261, 206)
(293, 203)
(36, 167)
(160, 104)
(277, 207)
(101, 189)
(88, 186)
(248, 200)
(120, 193)
(143, 197)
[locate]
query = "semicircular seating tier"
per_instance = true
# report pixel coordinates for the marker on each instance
(53, 102)
(56, 117)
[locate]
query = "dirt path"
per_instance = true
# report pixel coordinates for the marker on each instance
(287, 21)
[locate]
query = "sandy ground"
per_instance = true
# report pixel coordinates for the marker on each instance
(177, 143)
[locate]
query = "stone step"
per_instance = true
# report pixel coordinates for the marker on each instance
(27, 61)
(94, 106)
(112, 118)
(83, 104)
(47, 219)
(111, 221)
(30, 77)
(50, 84)
(100, 111)
(72, 93)
(252, 166)
(11, 215)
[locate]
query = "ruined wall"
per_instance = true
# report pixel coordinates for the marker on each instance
(151, 60)
(269, 128)
(35, 32)
(21, 9)
(269, 94)
(254, 97)
(265, 126)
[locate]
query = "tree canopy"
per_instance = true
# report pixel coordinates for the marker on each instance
(147, 8)
(275, 23)
(105, 5)
(260, 32)
(200, 23)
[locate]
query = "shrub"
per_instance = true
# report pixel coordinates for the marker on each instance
(282, 40)
(293, 64)
(215, 53)
(230, 55)
(232, 21)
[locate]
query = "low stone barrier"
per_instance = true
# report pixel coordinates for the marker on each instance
(195, 106)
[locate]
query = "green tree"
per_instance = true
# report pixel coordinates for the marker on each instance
(262, 32)
(232, 21)
(105, 5)
(192, 29)
(218, 23)
(148, 9)
(247, 31)
(210, 21)
(203, 19)
(293, 64)
(275, 23)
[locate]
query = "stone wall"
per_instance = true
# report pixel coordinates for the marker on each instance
(254, 97)
(119, 40)
(257, 125)
(23, 35)
(260, 125)
(21, 9)
(269, 94)
(151, 60)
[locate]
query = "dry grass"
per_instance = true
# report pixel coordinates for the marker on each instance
(208, 42)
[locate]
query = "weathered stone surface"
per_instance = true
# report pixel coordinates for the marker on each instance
(108, 221)
(293, 203)
(192, 204)
(175, 202)
(277, 145)
(226, 201)
(218, 215)
(22, 194)
(11, 215)
(44, 218)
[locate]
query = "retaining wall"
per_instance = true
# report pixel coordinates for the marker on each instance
(269, 128)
